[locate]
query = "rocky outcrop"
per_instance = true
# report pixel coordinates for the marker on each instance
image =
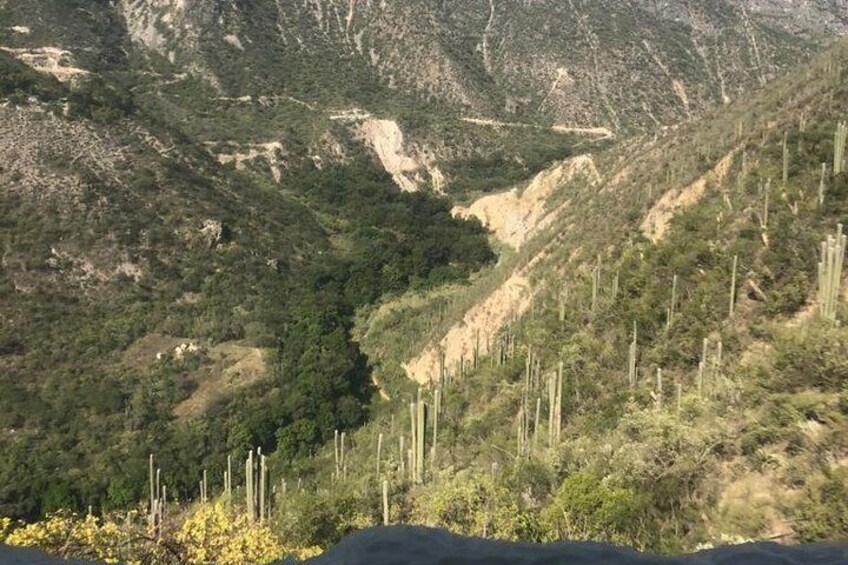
(51, 60)
(515, 216)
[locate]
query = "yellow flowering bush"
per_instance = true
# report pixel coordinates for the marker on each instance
(5, 527)
(69, 535)
(210, 533)
(214, 534)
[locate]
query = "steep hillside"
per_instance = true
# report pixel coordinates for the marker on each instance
(721, 419)
(151, 296)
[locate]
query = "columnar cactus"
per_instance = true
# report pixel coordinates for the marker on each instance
(785, 159)
(679, 397)
(229, 485)
(830, 273)
(379, 451)
(596, 283)
(733, 286)
(658, 393)
(839, 148)
(417, 413)
(520, 435)
(336, 455)
(249, 495)
(419, 457)
(343, 458)
(555, 406)
(437, 407)
(671, 308)
(263, 474)
(632, 360)
(385, 502)
(151, 507)
(402, 457)
(536, 423)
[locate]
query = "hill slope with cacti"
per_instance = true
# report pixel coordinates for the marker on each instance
(671, 374)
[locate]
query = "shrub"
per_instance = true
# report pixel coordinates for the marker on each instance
(816, 357)
(824, 514)
(585, 508)
(472, 504)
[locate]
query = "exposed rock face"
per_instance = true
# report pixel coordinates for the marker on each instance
(385, 137)
(656, 223)
(515, 216)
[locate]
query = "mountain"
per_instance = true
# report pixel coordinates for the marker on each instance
(261, 83)
(573, 62)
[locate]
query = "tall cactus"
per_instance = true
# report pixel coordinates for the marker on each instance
(263, 474)
(733, 286)
(596, 283)
(249, 495)
(413, 423)
(632, 360)
(555, 406)
(679, 397)
(830, 273)
(536, 423)
(402, 457)
(822, 184)
(419, 458)
(702, 367)
(563, 301)
(437, 407)
(152, 506)
(343, 457)
(229, 485)
(336, 454)
(839, 148)
(658, 393)
(672, 305)
(417, 413)
(385, 502)
(379, 452)
(615, 285)
(785, 159)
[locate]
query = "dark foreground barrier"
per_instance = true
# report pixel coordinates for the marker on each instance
(421, 546)
(408, 545)
(27, 556)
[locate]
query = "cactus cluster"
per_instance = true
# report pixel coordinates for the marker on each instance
(256, 496)
(158, 499)
(830, 273)
(417, 418)
(709, 368)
